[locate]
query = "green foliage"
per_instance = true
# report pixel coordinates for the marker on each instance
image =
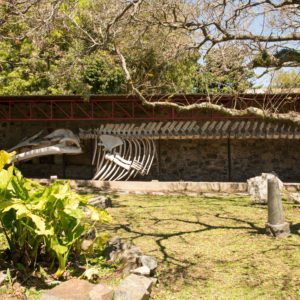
(288, 55)
(62, 60)
(41, 222)
(286, 80)
(263, 59)
(285, 55)
(223, 72)
(57, 69)
(155, 75)
(69, 47)
(20, 73)
(102, 74)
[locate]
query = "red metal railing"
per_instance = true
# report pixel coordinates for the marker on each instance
(122, 108)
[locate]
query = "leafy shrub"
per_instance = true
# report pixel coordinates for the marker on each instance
(41, 222)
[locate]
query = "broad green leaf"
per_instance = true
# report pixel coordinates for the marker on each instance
(75, 213)
(5, 178)
(60, 189)
(6, 205)
(51, 218)
(57, 247)
(99, 214)
(19, 189)
(41, 226)
(8, 219)
(5, 158)
(21, 210)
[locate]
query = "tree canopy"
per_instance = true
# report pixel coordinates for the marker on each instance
(286, 80)
(143, 46)
(170, 46)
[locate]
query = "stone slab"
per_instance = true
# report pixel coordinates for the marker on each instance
(134, 287)
(154, 187)
(191, 188)
(77, 289)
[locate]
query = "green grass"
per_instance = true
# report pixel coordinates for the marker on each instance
(208, 247)
(211, 247)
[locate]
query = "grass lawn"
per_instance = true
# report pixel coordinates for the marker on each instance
(208, 247)
(211, 247)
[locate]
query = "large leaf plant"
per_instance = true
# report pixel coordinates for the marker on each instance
(43, 222)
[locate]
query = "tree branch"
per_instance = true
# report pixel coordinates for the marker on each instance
(292, 117)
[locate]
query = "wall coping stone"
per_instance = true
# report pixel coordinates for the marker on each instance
(170, 187)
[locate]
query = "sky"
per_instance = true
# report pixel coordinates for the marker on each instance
(257, 27)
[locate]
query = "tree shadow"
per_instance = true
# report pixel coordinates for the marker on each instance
(251, 225)
(181, 267)
(295, 228)
(160, 237)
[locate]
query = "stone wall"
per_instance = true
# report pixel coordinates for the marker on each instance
(252, 157)
(196, 160)
(186, 160)
(209, 160)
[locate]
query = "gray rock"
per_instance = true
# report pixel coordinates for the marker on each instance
(101, 202)
(77, 289)
(2, 277)
(143, 271)
(125, 252)
(134, 287)
(131, 259)
(101, 292)
(258, 187)
(86, 245)
(150, 262)
(88, 241)
(295, 197)
(114, 249)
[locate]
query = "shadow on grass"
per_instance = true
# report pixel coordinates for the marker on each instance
(295, 228)
(179, 268)
(160, 237)
(251, 225)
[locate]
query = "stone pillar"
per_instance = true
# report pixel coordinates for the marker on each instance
(276, 225)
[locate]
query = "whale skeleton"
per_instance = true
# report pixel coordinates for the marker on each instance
(124, 150)
(114, 157)
(118, 158)
(60, 141)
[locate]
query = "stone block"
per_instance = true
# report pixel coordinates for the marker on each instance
(101, 201)
(295, 197)
(258, 187)
(74, 289)
(134, 287)
(101, 292)
(149, 262)
(143, 271)
(77, 289)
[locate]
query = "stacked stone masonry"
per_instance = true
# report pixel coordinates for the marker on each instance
(184, 159)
